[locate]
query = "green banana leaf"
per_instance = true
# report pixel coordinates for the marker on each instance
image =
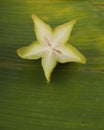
(74, 99)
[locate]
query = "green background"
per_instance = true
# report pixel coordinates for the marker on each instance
(74, 100)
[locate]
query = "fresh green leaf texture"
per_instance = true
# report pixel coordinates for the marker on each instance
(74, 100)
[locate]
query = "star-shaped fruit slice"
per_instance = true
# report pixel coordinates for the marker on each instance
(51, 46)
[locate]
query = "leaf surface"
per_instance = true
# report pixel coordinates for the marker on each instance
(74, 100)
